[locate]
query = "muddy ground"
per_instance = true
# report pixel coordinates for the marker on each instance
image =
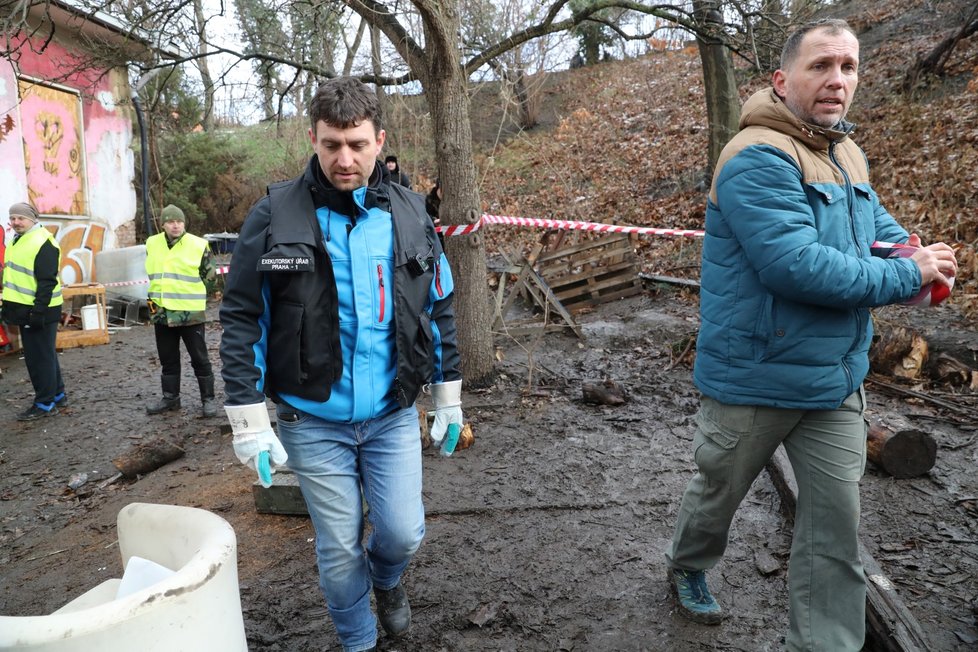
(547, 534)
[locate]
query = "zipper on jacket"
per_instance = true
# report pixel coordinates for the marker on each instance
(438, 279)
(850, 199)
(380, 283)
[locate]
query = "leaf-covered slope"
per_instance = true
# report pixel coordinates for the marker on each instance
(630, 143)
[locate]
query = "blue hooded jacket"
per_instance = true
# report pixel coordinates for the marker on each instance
(787, 276)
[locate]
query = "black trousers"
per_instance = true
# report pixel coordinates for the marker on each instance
(42, 361)
(168, 346)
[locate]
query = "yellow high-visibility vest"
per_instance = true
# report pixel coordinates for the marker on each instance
(174, 273)
(19, 284)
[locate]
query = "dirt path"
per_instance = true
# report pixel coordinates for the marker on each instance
(546, 535)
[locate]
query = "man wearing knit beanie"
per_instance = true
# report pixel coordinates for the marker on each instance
(21, 209)
(32, 301)
(181, 274)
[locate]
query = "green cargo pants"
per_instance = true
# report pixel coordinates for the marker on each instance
(827, 450)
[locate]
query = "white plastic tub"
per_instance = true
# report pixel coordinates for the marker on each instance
(195, 607)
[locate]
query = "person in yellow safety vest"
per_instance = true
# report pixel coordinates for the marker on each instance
(32, 301)
(181, 273)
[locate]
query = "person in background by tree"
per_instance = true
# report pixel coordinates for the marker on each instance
(32, 301)
(432, 204)
(787, 283)
(338, 307)
(181, 274)
(398, 175)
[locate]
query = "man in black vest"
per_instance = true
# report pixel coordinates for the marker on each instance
(338, 307)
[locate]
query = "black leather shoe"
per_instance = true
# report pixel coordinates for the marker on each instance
(35, 412)
(393, 610)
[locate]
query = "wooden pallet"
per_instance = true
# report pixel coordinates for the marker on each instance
(594, 271)
(531, 285)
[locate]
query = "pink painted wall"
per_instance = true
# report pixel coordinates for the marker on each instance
(66, 146)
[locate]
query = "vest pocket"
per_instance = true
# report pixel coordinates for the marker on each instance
(287, 346)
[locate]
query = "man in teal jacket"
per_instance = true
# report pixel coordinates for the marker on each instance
(787, 283)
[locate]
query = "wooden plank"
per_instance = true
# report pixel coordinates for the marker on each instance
(596, 288)
(555, 303)
(71, 339)
(567, 265)
(537, 289)
(890, 624)
(562, 281)
(500, 295)
(533, 329)
(520, 282)
(586, 303)
(670, 280)
(585, 246)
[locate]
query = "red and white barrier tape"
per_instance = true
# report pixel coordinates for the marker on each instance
(223, 269)
(535, 222)
(566, 225)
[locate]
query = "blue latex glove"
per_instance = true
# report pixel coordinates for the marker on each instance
(264, 469)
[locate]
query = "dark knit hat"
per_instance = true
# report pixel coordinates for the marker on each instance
(23, 209)
(171, 213)
(390, 158)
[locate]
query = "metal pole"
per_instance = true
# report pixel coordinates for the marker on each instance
(144, 166)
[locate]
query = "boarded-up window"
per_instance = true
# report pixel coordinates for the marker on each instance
(53, 148)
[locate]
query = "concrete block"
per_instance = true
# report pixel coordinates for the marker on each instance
(283, 497)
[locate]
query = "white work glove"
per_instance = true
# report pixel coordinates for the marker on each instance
(447, 398)
(255, 443)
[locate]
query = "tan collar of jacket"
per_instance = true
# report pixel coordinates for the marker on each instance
(765, 109)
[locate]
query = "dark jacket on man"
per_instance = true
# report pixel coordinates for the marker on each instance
(281, 278)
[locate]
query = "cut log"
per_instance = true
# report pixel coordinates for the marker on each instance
(147, 456)
(603, 393)
(897, 351)
(465, 438)
(951, 371)
(901, 453)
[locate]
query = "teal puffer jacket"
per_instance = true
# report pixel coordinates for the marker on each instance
(787, 277)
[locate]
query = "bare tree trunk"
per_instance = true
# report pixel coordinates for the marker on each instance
(207, 119)
(720, 87)
(768, 36)
(528, 117)
(445, 89)
(375, 63)
(351, 51)
(933, 63)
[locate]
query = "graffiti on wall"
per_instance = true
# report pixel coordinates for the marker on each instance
(79, 240)
(52, 133)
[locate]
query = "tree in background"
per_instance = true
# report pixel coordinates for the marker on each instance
(594, 34)
(722, 97)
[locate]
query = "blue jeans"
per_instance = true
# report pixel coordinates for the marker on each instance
(827, 450)
(338, 466)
